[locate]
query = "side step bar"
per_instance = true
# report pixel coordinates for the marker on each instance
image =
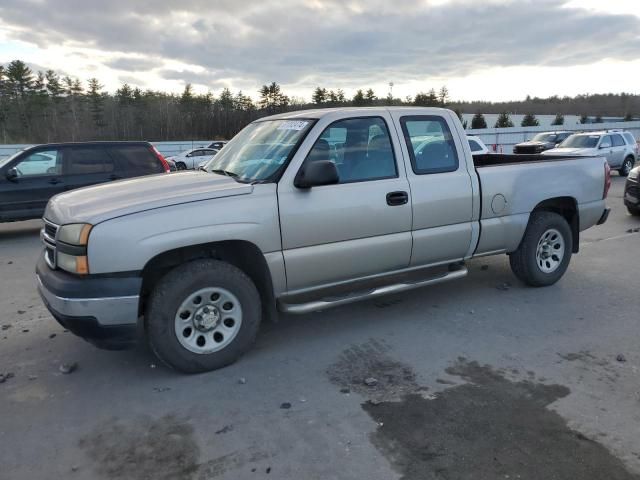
(330, 302)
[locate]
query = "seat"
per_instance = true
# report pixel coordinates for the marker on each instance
(378, 163)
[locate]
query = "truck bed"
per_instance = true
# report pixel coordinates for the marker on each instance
(515, 184)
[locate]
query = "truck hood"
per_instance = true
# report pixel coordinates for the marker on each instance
(584, 152)
(115, 199)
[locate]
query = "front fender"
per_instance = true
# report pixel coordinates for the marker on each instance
(127, 243)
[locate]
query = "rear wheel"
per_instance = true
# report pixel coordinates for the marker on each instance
(202, 316)
(635, 211)
(545, 251)
(627, 165)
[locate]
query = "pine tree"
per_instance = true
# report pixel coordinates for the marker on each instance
(370, 97)
(96, 102)
(504, 121)
(272, 99)
(478, 121)
(530, 120)
(628, 117)
(598, 119)
(584, 119)
(443, 96)
(319, 96)
(559, 120)
(358, 99)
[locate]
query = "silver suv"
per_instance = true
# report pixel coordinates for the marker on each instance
(617, 146)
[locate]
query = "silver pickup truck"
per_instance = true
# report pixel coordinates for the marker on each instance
(301, 212)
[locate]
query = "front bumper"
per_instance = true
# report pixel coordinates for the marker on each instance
(102, 310)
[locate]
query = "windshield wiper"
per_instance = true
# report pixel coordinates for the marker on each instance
(224, 172)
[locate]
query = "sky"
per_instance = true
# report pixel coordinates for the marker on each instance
(481, 50)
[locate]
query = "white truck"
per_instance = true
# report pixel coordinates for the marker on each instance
(301, 212)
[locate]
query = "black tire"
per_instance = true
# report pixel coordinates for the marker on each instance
(524, 262)
(174, 288)
(627, 165)
(181, 166)
(635, 211)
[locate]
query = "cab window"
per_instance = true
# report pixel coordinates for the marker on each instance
(360, 147)
(430, 144)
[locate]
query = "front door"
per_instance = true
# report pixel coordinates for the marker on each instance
(358, 227)
(39, 177)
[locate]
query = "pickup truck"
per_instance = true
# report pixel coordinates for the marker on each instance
(301, 212)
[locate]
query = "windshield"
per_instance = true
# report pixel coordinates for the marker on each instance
(260, 151)
(581, 141)
(545, 137)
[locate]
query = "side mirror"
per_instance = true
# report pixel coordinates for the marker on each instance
(12, 173)
(605, 145)
(317, 173)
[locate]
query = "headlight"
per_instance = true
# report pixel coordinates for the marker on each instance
(633, 174)
(71, 247)
(73, 263)
(75, 233)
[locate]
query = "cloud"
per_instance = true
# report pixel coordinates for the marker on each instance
(132, 64)
(348, 43)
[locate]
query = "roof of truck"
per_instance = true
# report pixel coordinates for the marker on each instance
(322, 112)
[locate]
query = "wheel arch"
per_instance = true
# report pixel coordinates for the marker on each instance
(241, 253)
(567, 207)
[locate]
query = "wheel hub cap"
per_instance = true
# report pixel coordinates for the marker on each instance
(550, 251)
(208, 320)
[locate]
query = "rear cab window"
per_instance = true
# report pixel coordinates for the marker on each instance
(430, 143)
(475, 147)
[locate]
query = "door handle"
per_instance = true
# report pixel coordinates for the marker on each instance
(55, 181)
(397, 198)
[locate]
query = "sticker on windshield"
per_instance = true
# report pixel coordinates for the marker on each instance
(293, 125)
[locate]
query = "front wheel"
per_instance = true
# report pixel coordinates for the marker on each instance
(545, 251)
(635, 211)
(203, 316)
(627, 165)
(181, 166)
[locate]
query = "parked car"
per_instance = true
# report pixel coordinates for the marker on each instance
(477, 145)
(541, 142)
(190, 159)
(218, 144)
(172, 165)
(618, 147)
(29, 178)
(301, 212)
(632, 192)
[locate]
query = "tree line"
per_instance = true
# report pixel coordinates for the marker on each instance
(41, 107)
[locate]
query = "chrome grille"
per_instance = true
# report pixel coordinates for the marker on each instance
(49, 234)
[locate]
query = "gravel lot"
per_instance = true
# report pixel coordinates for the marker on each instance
(471, 381)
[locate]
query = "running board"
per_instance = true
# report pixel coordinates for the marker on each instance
(330, 302)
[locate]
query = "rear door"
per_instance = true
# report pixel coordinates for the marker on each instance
(441, 189)
(88, 165)
(39, 178)
(619, 149)
(358, 227)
